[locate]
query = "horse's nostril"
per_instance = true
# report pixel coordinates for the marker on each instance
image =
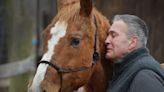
(44, 91)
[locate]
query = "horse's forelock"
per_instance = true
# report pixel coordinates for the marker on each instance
(68, 12)
(63, 3)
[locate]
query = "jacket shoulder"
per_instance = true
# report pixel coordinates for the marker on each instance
(147, 81)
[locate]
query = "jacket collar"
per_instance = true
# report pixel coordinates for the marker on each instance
(129, 59)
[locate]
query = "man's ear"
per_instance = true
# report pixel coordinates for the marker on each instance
(133, 43)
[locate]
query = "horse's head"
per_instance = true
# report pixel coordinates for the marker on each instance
(71, 48)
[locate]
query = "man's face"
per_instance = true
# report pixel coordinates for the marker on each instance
(117, 42)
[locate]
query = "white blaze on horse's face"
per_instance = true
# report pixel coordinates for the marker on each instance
(57, 32)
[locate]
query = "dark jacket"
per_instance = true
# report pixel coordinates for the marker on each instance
(135, 67)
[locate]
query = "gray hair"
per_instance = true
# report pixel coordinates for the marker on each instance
(136, 27)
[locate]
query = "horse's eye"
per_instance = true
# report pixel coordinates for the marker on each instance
(75, 42)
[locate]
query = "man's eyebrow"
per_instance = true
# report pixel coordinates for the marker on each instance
(111, 31)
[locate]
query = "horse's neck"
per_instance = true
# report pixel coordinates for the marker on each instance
(99, 79)
(103, 69)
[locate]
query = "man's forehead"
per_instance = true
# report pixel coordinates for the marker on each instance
(119, 23)
(118, 26)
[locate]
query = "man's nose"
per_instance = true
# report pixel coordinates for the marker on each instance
(108, 40)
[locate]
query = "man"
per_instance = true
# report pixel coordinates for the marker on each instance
(134, 69)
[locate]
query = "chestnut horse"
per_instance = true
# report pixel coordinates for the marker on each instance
(74, 50)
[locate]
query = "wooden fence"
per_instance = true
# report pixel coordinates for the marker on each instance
(16, 68)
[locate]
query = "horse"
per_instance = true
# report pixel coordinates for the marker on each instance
(74, 50)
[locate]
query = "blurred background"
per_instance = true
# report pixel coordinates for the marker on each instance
(22, 23)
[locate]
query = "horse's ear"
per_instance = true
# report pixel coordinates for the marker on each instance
(86, 7)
